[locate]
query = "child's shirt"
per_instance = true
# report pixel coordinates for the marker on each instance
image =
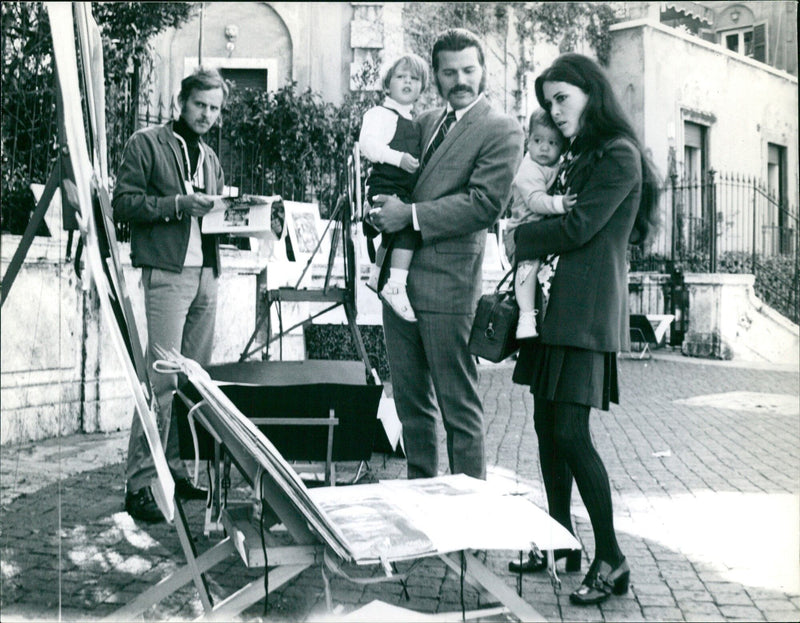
(387, 133)
(529, 192)
(530, 201)
(377, 130)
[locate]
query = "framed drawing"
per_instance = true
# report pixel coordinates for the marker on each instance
(303, 226)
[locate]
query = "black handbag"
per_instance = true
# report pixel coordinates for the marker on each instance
(493, 336)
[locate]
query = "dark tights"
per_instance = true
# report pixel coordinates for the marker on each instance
(566, 450)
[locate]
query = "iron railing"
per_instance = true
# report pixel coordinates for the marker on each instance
(722, 222)
(728, 223)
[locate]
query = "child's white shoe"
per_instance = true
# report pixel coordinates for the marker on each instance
(526, 327)
(395, 296)
(374, 277)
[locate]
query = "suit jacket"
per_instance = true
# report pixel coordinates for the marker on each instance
(150, 176)
(459, 194)
(588, 306)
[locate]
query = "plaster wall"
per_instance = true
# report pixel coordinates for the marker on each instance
(42, 343)
(727, 321)
(61, 374)
(664, 76)
(60, 370)
(307, 42)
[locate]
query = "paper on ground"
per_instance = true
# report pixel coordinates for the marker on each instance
(411, 518)
(387, 414)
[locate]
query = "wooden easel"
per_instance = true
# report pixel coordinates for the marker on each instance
(347, 205)
(97, 234)
(55, 182)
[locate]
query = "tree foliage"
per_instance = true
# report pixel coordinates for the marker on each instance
(28, 100)
(293, 141)
(523, 24)
(128, 27)
(423, 21)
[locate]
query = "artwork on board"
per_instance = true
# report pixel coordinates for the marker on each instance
(303, 226)
(246, 215)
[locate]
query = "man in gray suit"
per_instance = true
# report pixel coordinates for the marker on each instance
(469, 158)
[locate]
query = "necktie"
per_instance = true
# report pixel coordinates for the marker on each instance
(444, 128)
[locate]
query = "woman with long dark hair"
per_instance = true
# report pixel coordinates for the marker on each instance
(572, 367)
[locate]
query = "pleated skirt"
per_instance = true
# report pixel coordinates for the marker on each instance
(568, 374)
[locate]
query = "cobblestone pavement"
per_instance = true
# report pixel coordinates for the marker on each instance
(704, 461)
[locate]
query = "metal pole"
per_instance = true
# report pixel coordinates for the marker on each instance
(712, 211)
(755, 224)
(674, 179)
(200, 38)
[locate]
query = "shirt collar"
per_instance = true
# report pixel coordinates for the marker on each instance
(402, 109)
(463, 111)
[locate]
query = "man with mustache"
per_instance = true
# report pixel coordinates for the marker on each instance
(469, 157)
(163, 189)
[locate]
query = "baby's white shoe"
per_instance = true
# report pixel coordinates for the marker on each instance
(526, 327)
(395, 296)
(374, 276)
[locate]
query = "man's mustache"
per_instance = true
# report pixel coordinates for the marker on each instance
(461, 89)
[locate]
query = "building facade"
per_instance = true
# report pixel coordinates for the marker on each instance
(713, 109)
(321, 46)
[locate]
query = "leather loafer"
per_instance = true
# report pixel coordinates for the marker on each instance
(537, 562)
(601, 582)
(142, 506)
(185, 490)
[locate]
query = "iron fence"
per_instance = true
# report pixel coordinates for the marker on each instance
(247, 170)
(732, 223)
(722, 222)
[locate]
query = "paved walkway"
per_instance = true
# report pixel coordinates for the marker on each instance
(704, 461)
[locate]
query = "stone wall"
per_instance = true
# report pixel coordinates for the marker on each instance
(60, 370)
(728, 321)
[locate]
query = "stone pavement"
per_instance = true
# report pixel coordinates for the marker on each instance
(704, 461)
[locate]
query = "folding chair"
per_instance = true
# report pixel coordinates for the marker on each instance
(641, 332)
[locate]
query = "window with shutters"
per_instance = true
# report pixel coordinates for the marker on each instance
(749, 41)
(695, 173)
(760, 42)
(779, 229)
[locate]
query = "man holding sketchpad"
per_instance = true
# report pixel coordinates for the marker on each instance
(165, 185)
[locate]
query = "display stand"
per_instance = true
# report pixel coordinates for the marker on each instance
(648, 330)
(315, 412)
(347, 206)
(310, 535)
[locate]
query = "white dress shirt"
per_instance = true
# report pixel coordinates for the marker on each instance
(459, 113)
(377, 130)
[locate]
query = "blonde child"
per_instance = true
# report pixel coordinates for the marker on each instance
(532, 203)
(391, 141)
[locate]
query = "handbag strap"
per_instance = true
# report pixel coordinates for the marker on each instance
(503, 280)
